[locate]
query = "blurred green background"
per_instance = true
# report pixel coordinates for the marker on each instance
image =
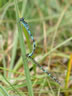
(50, 22)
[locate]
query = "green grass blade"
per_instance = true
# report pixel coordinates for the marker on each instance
(14, 52)
(18, 64)
(23, 51)
(24, 5)
(12, 86)
(4, 91)
(27, 38)
(1, 94)
(58, 46)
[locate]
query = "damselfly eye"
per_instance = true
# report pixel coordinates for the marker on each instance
(22, 19)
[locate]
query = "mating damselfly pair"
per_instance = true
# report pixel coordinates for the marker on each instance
(25, 24)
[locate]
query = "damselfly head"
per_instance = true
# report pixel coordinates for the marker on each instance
(22, 19)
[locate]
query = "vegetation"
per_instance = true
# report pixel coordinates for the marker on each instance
(50, 22)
